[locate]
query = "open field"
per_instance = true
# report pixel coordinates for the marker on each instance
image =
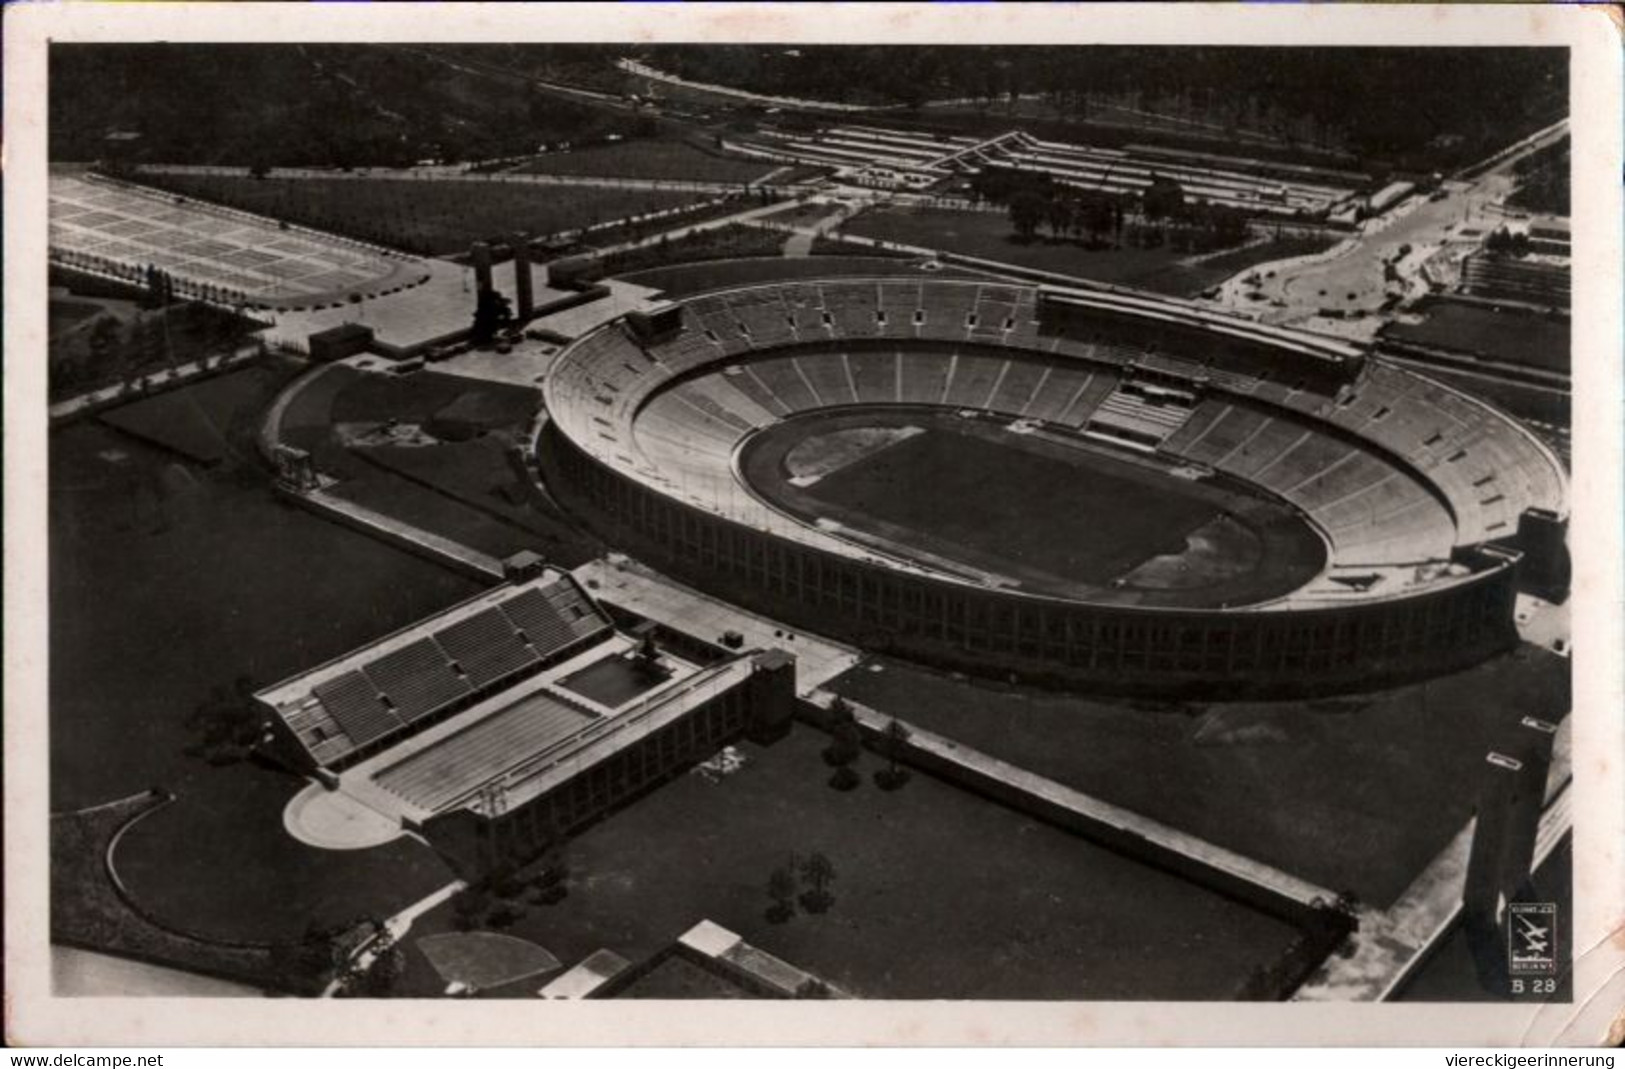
(169, 582)
(989, 236)
(205, 422)
(64, 315)
(428, 216)
(938, 893)
(649, 159)
(1355, 793)
(1507, 335)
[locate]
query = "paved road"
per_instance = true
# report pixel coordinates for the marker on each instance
(1350, 277)
(452, 174)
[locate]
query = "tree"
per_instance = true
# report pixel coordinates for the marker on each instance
(492, 312)
(227, 724)
(1059, 214)
(1027, 210)
(1164, 198)
(845, 746)
(895, 744)
(781, 888)
(376, 979)
(817, 872)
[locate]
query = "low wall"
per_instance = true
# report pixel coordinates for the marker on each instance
(403, 536)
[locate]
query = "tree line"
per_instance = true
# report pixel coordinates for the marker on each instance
(1159, 215)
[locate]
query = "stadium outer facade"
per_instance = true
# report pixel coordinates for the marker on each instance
(1441, 597)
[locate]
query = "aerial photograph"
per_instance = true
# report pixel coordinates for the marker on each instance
(635, 520)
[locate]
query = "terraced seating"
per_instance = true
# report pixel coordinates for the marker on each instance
(725, 391)
(925, 377)
(1016, 388)
(899, 301)
(974, 378)
(745, 379)
(1273, 437)
(1055, 392)
(1311, 454)
(828, 376)
(782, 377)
(875, 376)
(1128, 412)
(946, 310)
(1025, 331)
(1098, 385)
(1228, 432)
(853, 307)
(1207, 412)
(768, 321)
(995, 314)
(1486, 467)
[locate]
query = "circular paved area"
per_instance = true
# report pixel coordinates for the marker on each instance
(332, 820)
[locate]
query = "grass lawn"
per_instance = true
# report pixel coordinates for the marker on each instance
(189, 421)
(218, 863)
(988, 235)
(938, 893)
(800, 214)
(1509, 335)
(168, 580)
(432, 217)
(649, 159)
(968, 491)
(65, 315)
(398, 497)
(981, 495)
(1352, 793)
(684, 279)
(1450, 974)
(463, 490)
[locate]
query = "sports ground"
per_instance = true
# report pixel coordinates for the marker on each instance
(965, 491)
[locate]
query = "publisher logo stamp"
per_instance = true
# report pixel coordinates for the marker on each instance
(1531, 938)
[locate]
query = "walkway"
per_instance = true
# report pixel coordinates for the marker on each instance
(1392, 944)
(1226, 870)
(159, 380)
(397, 927)
(628, 584)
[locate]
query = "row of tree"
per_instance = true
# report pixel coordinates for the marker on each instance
(1160, 214)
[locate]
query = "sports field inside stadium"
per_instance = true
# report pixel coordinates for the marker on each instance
(955, 490)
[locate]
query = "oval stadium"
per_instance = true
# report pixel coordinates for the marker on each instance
(1057, 485)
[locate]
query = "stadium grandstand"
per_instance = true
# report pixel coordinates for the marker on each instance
(914, 159)
(517, 715)
(1414, 492)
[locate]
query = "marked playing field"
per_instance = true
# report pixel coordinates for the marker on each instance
(1040, 514)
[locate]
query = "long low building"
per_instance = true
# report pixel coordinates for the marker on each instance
(1424, 501)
